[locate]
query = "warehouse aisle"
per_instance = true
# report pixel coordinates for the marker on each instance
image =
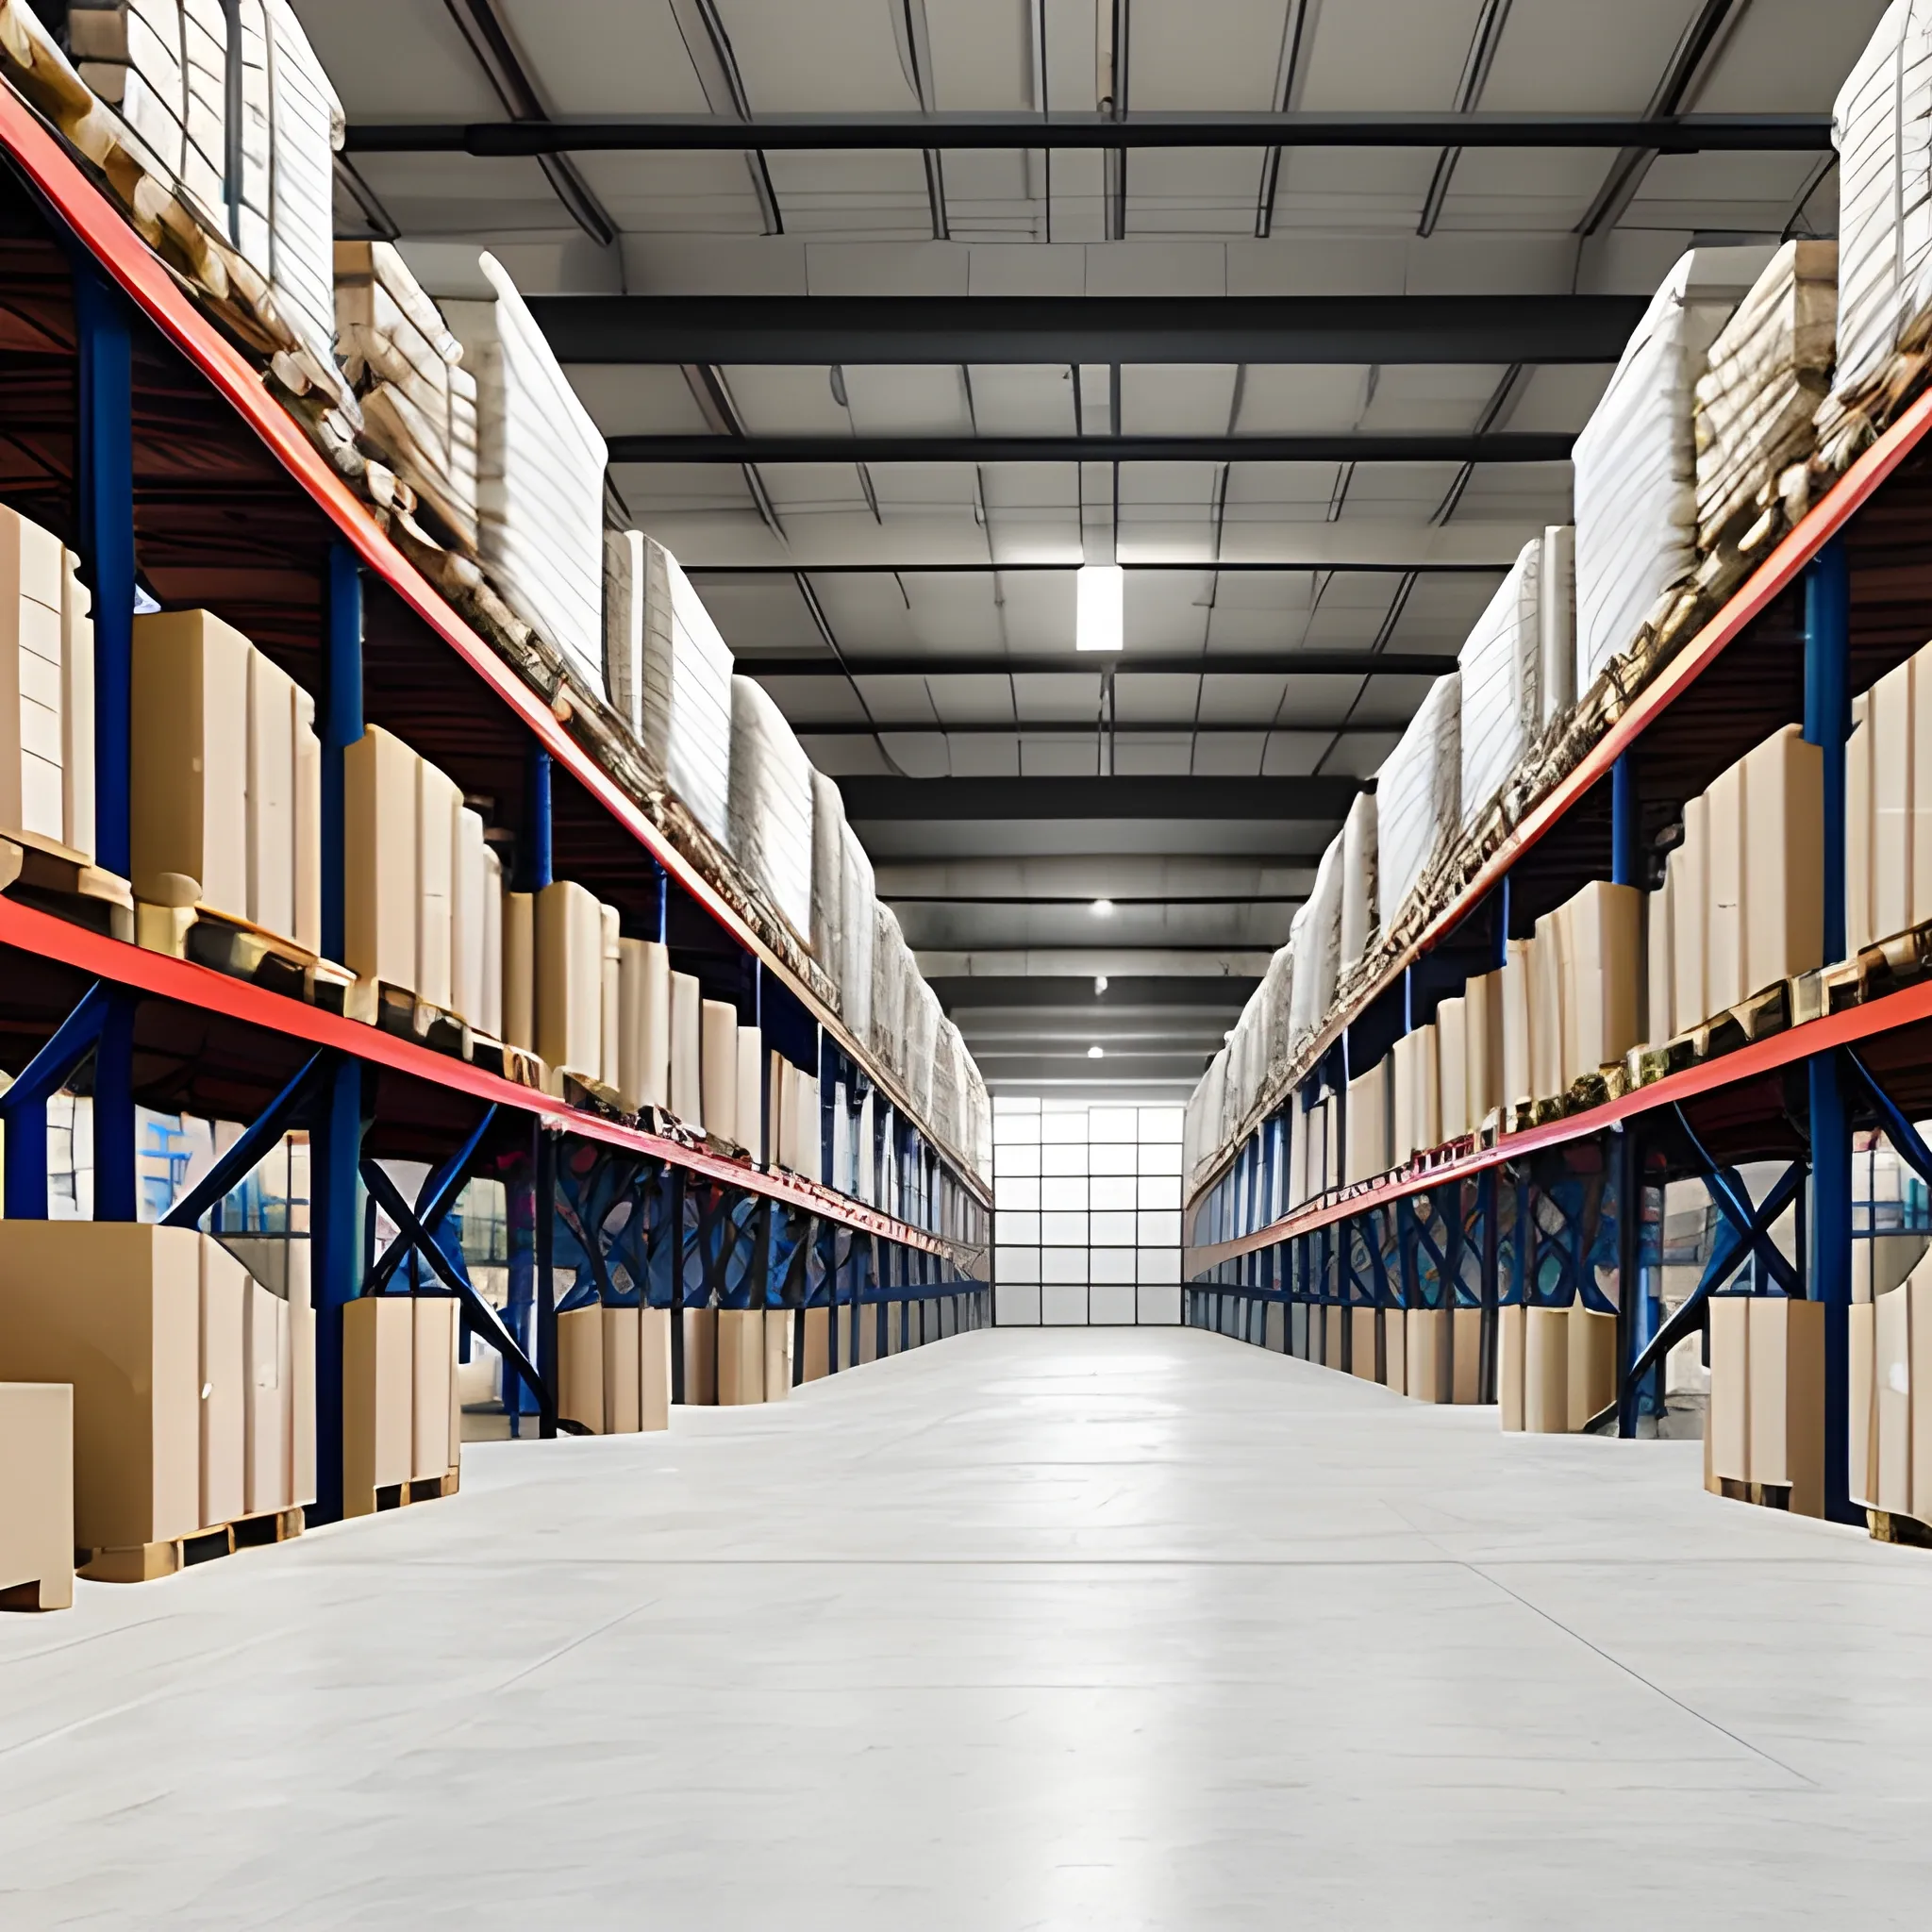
(1036, 1629)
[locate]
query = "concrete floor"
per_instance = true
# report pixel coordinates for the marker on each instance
(1025, 1629)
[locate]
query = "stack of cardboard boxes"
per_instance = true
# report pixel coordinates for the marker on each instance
(46, 692)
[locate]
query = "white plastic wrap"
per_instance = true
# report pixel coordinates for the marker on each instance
(306, 126)
(162, 66)
(1418, 796)
(1209, 1092)
(1557, 618)
(679, 699)
(891, 965)
(1636, 462)
(1882, 125)
(1500, 671)
(539, 485)
(859, 898)
(922, 1018)
(1277, 985)
(1315, 938)
(771, 808)
(1359, 923)
(829, 875)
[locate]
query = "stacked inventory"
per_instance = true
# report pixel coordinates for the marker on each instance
(1418, 798)
(769, 813)
(539, 477)
(1500, 678)
(46, 691)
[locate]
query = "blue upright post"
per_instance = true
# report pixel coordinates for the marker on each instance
(335, 1235)
(1500, 958)
(342, 726)
(116, 1188)
(1626, 855)
(538, 855)
(1827, 725)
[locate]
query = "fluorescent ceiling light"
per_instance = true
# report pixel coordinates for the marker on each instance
(1097, 1052)
(1099, 983)
(1099, 607)
(1103, 907)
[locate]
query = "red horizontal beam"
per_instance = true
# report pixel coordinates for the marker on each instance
(100, 226)
(1909, 1008)
(162, 976)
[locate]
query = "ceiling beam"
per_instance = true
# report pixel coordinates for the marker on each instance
(847, 133)
(902, 800)
(998, 992)
(819, 330)
(1494, 447)
(1118, 664)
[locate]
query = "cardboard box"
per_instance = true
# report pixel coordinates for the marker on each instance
(818, 1344)
(1787, 1377)
(780, 1332)
(37, 657)
(1729, 1420)
(271, 821)
(1892, 1372)
(623, 1351)
(687, 1059)
(1724, 984)
(433, 1382)
(1368, 1124)
(1549, 1027)
(748, 1102)
(1452, 1068)
(379, 1397)
(1859, 931)
(299, 1457)
(580, 1368)
(1603, 967)
(643, 1024)
(1889, 720)
(187, 777)
(1784, 860)
(1546, 1370)
(1466, 1365)
(1427, 1354)
(1591, 1377)
(1482, 1020)
(225, 1377)
(1364, 1356)
(1861, 1406)
(1659, 973)
(870, 1327)
(265, 1421)
(700, 1356)
(36, 1535)
(609, 982)
(1395, 1350)
(740, 1356)
(379, 804)
(520, 970)
(1519, 1024)
(1690, 916)
(570, 979)
(113, 1309)
(1416, 1085)
(1920, 667)
(718, 1069)
(653, 1369)
(473, 882)
(1512, 1345)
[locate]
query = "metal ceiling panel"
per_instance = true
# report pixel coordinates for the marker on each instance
(818, 56)
(602, 57)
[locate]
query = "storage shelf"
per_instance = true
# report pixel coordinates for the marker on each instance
(1758, 1066)
(236, 1002)
(1700, 713)
(101, 229)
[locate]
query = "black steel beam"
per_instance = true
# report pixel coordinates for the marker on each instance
(820, 330)
(900, 801)
(1492, 447)
(775, 133)
(1121, 663)
(1211, 994)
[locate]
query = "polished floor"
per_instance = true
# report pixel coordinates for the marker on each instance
(1022, 1630)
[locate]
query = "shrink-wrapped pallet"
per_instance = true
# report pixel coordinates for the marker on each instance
(1882, 128)
(829, 875)
(1758, 396)
(771, 803)
(306, 129)
(680, 700)
(419, 403)
(539, 477)
(857, 897)
(923, 1016)
(1557, 620)
(1636, 460)
(1501, 683)
(891, 976)
(1276, 992)
(1418, 795)
(643, 1024)
(162, 66)
(1315, 937)
(189, 774)
(1359, 920)
(47, 689)
(1208, 1096)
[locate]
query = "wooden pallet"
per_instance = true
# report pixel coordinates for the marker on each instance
(55, 879)
(1889, 1526)
(143, 1562)
(40, 1593)
(1765, 1495)
(426, 1489)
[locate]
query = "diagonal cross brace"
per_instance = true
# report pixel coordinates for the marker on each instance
(1734, 1203)
(483, 1318)
(1904, 1138)
(438, 1195)
(240, 1160)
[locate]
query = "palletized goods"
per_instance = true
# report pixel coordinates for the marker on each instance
(1360, 921)
(677, 690)
(1418, 795)
(770, 815)
(1501, 684)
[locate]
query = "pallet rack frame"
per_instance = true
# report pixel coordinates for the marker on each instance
(1796, 1095)
(137, 1024)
